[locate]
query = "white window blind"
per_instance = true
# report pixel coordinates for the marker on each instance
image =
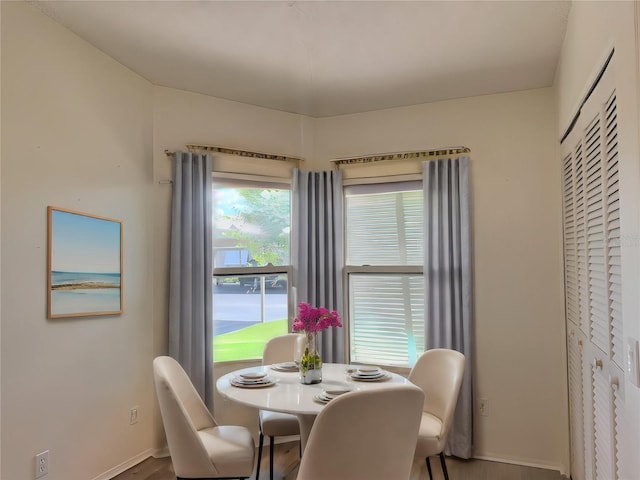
(388, 313)
(384, 231)
(385, 226)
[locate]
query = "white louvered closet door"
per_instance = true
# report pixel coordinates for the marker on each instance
(591, 216)
(575, 342)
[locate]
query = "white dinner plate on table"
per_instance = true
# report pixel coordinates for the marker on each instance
(253, 375)
(368, 370)
(335, 392)
(285, 367)
(327, 395)
(379, 377)
(321, 399)
(257, 383)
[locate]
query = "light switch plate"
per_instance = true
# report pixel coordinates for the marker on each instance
(633, 361)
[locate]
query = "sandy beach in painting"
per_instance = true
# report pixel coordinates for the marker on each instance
(74, 280)
(82, 285)
(81, 292)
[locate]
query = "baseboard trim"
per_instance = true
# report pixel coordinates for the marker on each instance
(525, 463)
(126, 465)
(161, 452)
(164, 452)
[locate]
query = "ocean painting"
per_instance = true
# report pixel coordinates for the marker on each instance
(85, 264)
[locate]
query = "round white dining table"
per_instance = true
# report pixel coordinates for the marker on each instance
(288, 395)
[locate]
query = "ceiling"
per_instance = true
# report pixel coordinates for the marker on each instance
(325, 58)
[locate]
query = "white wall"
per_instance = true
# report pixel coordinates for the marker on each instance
(76, 133)
(517, 254)
(593, 29)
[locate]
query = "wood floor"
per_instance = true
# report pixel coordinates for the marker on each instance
(287, 459)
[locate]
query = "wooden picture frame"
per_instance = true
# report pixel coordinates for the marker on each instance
(84, 264)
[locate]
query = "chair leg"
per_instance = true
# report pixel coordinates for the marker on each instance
(260, 443)
(429, 468)
(271, 458)
(444, 466)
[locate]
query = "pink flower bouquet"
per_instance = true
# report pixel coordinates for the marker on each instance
(312, 320)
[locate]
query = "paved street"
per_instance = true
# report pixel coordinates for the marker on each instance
(236, 307)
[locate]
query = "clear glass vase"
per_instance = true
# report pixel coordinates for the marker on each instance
(310, 363)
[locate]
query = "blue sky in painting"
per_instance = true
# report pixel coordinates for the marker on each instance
(85, 244)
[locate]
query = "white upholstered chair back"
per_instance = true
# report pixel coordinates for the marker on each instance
(280, 349)
(183, 414)
(438, 372)
(283, 348)
(364, 435)
(199, 448)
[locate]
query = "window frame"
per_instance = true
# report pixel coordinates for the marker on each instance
(237, 180)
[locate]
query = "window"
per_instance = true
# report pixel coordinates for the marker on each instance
(251, 229)
(384, 227)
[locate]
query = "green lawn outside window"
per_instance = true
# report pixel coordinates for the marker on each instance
(247, 343)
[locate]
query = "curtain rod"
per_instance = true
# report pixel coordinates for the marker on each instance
(380, 157)
(240, 153)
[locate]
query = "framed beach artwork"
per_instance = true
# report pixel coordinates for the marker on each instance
(84, 264)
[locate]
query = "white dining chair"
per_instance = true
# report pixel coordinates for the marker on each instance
(364, 435)
(198, 446)
(283, 348)
(438, 372)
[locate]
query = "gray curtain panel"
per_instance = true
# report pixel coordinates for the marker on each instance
(317, 249)
(447, 271)
(191, 269)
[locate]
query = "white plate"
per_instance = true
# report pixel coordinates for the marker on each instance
(253, 375)
(379, 373)
(368, 370)
(249, 382)
(238, 382)
(285, 367)
(335, 392)
(369, 378)
(321, 399)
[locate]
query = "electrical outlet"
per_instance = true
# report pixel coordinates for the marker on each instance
(484, 407)
(133, 415)
(42, 464)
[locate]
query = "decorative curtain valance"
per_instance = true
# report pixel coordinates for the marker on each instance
(234, 162)
(392, 164)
